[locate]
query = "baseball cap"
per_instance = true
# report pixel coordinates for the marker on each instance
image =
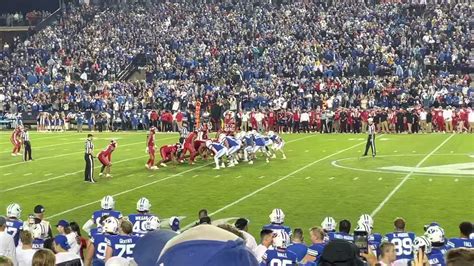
(39, 209)
(3, 220)
(206, 245)
(148, 248)
(62, 223)
(61, 240)
(241, 223)
(174, 223)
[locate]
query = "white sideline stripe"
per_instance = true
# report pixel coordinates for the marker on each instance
(61, 176)
(47, 146)
(395, 190)
(275, 182)
(129, 190)
(66, 154)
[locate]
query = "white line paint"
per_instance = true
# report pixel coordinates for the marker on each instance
(456, 180)
(306, 151)
(195, 176)
(395, 190)
(127, 191)
(431, 179)
(260, 177)
(276, 182)
(27, 174)
(355, 178)
(48, 174)
(308, 177)
(238, 176)
(63, 175)
(152, 175)
(380, 179)
(395, 151)
(217, 176)
(331, 178)
(7, 174)
(67, 154)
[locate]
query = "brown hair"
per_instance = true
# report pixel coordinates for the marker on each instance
(44, 257)
(5, 261)
(26, 237)
(318, 231)
(460, 257)
(385, 247)
(399, 223)
(126, 226)
(231, 229)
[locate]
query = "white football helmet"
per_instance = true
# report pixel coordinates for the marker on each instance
(107, 203)
(277, 216)
(271, 133)
(361, 227)
(152, 223)
(367, 220)
(329, 224)
(422, 241)
(111, 225)
(435, 234)
(38, 231)
(208, 144)
(221, 138)
(143, 205)
(14, 211)
(281, 239)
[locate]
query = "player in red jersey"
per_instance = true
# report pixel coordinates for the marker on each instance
(105, 158)
(189, 146)
(169, 153)
(150, 142)
(16, 140)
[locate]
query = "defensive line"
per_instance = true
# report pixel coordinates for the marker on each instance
(395, 190)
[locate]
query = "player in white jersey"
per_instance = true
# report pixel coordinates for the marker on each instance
(278, 144)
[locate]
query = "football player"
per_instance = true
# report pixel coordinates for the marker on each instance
(37, 232)
(96, 246)
(344, 232)
(150, 149)
(105, 158)
(120, 242)
(107, 204)
(280, 255)
(261, 144)
(435, 235)
(422, 245)
(219, 151)
(366, 224)
(233, 146)
(278, 144)
(139, 220)
(402, 240)
(463, 240)
(15, 139)
(248, 142)
(277, 218)
(169, 153)
(14, 224)
(316, 249)
(189, 146)
(152, 223)
(328, 224)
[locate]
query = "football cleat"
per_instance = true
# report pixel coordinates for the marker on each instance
(222, 165)
(108, 175)
(216, 168)
(250, 162)
(154, 167)
(147, 166)
(274, 156)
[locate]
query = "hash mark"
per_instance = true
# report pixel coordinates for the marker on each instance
(28, 174)
(331, 178)
(456, 180)
(355, 178)
(217, 176)
(48, 174)
(431, 179)
(151, 175)
(380, 178)
(195, 176)
(7, 174)
(238, 176)
(260, 177)
(308, 177)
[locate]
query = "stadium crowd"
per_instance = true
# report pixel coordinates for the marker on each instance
(333, 62)
(141, 238)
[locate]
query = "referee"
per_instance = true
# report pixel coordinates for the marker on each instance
(89, 158)
(25, 136)
(371, 138)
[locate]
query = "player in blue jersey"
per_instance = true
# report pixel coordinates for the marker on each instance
(328, 225)
(261, 144)
(280, 255)
(122, 244)
(139, 220)
(249, 144)
(277, 218)
(233, 145)
(317, 246)
(14, 224)
(421, 248)
(344, 232)
(435, 235)
(37, 233)
(219, 151)
(466, 230)
(297, 244)
(97, 245)
(374, 239)
(278, 144)
(107, 204)
(402, 240)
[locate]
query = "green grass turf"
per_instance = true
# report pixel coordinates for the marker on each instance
(323, 176)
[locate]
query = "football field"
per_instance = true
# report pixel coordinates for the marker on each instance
(422, 178)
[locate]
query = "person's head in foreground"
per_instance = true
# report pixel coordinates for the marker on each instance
(44, 257)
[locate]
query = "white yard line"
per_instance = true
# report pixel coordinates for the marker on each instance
(395, 190)
(275, 182)
(63, 175)
(128, 191)
(67, 154)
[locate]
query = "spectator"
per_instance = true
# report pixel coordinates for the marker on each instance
(7, 244)
(61, 247)
(387, 254)
(44, 257)
(317, 247)
(26, 252)
(266, 240)
(243, 225)
(460, 257)
(297, 245)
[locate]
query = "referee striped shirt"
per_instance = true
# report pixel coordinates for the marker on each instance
(89, 147)
(371, 129)
(25, 136)
(184, 132)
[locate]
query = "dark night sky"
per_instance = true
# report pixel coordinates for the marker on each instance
(24, 6)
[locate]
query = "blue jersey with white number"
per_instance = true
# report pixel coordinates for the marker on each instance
(217, 146)
(100, 245)
(278, 227)
(259, 141)
(374, 242)
(460, 243)
(276, 139)
(299, 249)
(122, 245)
(138, 221)
(403, 243)
(37, 243)
(436, 257)
(232, 142)
(99, 214)
(316, 250)
(340, 235)
(278, 257)
(13, 228)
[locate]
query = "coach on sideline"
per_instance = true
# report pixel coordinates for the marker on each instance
(89, 158)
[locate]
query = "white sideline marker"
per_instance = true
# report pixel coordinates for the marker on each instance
(390, 195)
(27, 174)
